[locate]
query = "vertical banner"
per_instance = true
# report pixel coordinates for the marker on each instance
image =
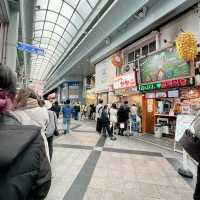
(74, 90)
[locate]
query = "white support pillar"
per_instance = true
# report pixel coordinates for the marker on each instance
(11, 55)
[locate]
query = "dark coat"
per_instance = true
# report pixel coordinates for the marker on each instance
(121, 115)
(56, 109)
(127, 110)
(25, 172)
(104, 117)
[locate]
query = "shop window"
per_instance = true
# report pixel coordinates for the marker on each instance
(131, 57)
(145, 50)
(137, 53)
(152, 46)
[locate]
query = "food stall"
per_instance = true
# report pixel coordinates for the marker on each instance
(163, 76)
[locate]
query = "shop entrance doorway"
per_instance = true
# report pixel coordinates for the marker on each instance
(148, 111)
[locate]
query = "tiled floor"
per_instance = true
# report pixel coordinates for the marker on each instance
(86, 166)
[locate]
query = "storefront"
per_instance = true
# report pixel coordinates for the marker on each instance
(71, 90)
(163, 79)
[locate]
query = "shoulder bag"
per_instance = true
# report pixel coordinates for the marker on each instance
(191, 143)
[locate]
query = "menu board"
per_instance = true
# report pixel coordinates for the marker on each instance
(150, 95)
(173, 94)
(163, 65)
(161, 94)
(189, 94)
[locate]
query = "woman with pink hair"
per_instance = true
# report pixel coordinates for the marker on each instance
(25, 171)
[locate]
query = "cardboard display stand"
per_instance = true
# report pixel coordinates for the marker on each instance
(183, 122)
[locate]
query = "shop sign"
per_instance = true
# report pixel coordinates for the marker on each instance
(163, 65)
(174, 83)
(150, 95)
(149, 86)
(167, 84)
(125, 81)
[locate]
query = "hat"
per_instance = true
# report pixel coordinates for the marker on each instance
(48, 104)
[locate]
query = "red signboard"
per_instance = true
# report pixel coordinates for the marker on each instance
(174, 83)
(125, 81)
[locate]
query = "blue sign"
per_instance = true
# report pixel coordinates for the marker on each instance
(73, 83)
(29, 48)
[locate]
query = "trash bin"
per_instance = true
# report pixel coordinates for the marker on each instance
(158, 130)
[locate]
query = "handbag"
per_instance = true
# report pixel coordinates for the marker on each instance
(122, 125)
(191, 143)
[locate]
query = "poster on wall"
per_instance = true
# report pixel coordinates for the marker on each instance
(106, 73)
(125, 81)
(73, 88)
(163, 65)
(149, 105)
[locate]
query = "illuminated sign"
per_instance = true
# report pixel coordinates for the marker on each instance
(149, 86)
(167, 84)
(125, 81)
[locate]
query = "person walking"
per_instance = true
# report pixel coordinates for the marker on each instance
(25, 171)
(113, 116)
(67, 113)
(105, 122)
(56, 108)
(77, 110)
(121, 119)
(51, 128)
(99, 109)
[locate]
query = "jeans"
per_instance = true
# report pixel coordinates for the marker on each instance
(197, 189)
(66, 123)
(99, 125)
(106, 127)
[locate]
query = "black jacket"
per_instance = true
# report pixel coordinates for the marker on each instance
(127, 110)
(25, 172)
(121, 115)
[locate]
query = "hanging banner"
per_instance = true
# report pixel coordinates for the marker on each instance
(29, 48)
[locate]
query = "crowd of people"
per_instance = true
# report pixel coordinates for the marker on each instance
(117, 117)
